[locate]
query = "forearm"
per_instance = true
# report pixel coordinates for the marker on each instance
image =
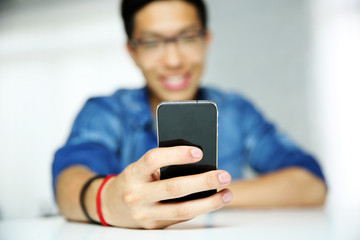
(68, 188)
(284, 188)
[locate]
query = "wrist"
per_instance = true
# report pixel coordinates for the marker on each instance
(107, 208)
(99, 200)
(90, 199)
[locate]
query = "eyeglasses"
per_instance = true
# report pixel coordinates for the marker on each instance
(154, 46)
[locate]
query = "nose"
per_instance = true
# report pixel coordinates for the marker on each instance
(172, 56)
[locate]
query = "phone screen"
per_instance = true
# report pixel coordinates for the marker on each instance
(190, 123)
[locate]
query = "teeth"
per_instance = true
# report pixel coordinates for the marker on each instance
(175, 80)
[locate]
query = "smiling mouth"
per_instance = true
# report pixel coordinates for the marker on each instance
(176, 82)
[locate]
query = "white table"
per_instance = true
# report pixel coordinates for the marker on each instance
(289, 224)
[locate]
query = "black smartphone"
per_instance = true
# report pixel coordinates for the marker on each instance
(189, 123)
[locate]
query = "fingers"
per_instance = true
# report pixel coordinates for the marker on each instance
(161, 157)
(182, 186)
(191, 209)
(156, 175)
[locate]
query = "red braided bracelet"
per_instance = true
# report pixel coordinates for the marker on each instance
(98, 200)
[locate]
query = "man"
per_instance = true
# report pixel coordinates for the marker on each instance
(116, 135)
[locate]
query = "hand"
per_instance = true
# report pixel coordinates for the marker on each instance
(132, 199)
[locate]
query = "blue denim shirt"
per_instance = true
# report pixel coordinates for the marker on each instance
(112, 132)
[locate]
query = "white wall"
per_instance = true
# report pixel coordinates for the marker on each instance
(52, 58)
(55, 55)
(336, 85)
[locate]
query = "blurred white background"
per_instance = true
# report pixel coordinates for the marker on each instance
(297, 60)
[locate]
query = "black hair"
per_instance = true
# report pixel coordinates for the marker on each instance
(130, 7)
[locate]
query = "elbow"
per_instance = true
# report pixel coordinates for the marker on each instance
(314, 189)
(319, 192)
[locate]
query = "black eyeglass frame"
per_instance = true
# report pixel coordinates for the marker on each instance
(166, 40)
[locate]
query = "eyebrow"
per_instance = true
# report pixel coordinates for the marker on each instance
(155, 34)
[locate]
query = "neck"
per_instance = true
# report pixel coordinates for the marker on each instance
(154, 101)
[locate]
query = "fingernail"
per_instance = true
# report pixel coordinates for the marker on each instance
(224, 178)
(196, 153)
(227, 197)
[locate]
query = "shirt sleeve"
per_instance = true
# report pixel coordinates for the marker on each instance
(93, 141)
(269, 150)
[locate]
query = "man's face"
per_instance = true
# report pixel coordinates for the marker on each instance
(172, 69)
